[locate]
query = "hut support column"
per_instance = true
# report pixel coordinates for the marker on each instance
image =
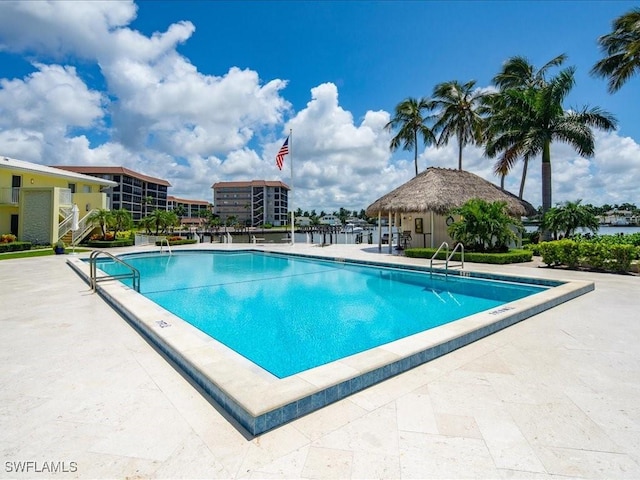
(390, 233)
(432, 241)
(379, 231)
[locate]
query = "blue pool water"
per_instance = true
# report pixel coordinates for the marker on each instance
(288, 314)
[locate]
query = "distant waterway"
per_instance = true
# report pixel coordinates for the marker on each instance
(603, 230)
(368, 236)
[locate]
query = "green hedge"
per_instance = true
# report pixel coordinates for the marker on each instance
(124, 242)
(184, 241)
(15, 246)
(586, 254)
(512, 256)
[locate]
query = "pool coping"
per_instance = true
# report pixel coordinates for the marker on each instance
(260, 401)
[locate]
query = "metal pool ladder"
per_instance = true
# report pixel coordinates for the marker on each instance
(165, 240)
(133, 273)
(448, 257)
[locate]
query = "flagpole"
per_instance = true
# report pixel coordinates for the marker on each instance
(293, 214)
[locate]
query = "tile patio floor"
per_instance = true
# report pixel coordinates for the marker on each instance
(555, 396)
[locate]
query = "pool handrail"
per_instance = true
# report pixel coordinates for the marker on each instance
(165, 239)
(93, 276)
(461, 266)
(433, 257)
(447, 257)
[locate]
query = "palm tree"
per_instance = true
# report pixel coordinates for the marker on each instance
(162, 220)
(410, 121)
(121, 220)
(622, 51)
(101, 217)
(146, 201)
(517, 74)
(531, 119)
(568, 217)
(459, 114)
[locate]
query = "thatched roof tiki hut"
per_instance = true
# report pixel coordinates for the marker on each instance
(421, 206)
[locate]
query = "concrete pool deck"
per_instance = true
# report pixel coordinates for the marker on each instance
(555, 395)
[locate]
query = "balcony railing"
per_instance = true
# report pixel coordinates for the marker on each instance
(9, 195)
(65, 197)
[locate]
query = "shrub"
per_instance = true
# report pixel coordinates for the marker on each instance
(512, 256)
(550, 253)
(8, 238)
(560, 252)
(593, 255)
(15, 246)
(176, 241)
(110, 243)
(620, 257)
(484, 226)
(534, 247)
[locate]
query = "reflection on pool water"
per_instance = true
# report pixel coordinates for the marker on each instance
(289, 314)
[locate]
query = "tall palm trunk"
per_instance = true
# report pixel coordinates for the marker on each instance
(460, 146)
(546, 182)
(525, 166)
(415, 150)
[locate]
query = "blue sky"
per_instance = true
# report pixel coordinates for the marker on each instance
(200, 92)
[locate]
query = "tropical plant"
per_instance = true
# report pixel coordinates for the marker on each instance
(146, 201)
(161, 220)
(566, 218)
(459, 114)
(180, 211)
(484, 226)
(410, 121)
(101, 217)
(621, 48)
(524, 123)
(120, 220)
(147, 223)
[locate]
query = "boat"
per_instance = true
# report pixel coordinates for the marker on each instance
(351, 228)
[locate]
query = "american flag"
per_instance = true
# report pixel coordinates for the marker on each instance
(284, 150)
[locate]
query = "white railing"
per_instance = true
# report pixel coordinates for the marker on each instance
(165, 240)
(448, 256)
(84, 227)
(141, 239)
(9, 195)
(65, 198)
(65, 225)
(458, 246)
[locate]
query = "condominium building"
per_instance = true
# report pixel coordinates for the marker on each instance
(192, 212)
(253, 203)
(136, 192)
(36, 201)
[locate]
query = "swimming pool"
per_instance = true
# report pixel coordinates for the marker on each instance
(289, 314)
(259, 401)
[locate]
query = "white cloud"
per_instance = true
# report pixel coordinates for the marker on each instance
(38, 113)
(54, 98)
(58, 29)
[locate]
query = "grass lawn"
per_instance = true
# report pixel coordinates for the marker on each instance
(40, 252)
